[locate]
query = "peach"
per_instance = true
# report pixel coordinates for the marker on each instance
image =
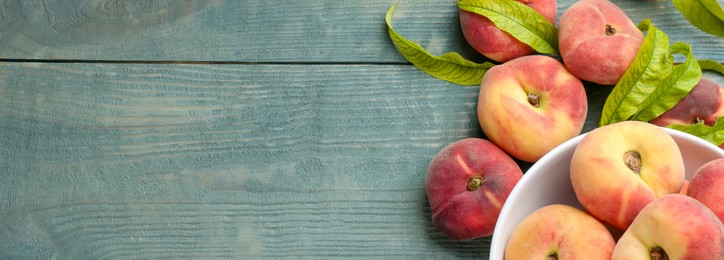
(496, 44)
(619, 168)
(560, 231)
(467, 183)
(530, 105)
(674, 226)
(597, 41)
(704, 104)
(707, 186)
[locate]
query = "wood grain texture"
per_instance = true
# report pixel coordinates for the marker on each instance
(263, 31)
(122, 161)
(297, 132)
(107, 161)
(244, 31)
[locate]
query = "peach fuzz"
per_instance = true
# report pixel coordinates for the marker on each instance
(617, 169)
(560, 231)
(707, 186)
(467, 183)
(674, 226)
(597, 41)
(496, 44)
(530, 105)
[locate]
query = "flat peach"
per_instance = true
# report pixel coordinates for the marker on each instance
(618, 169)
(530, 105)
(496, 44)
(598, 41)
(560, 232)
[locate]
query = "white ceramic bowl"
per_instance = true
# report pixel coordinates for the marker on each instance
(548, 182)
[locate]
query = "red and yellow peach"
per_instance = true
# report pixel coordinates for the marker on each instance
(617, 169)
(530, 105)
(674, 226)
(467, 183)
(496, 44)
(707, 186)
(598, 41)
(560, 231)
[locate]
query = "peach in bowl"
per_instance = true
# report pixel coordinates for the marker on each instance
(555, 213)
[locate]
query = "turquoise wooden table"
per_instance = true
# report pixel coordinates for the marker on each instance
(235, 129)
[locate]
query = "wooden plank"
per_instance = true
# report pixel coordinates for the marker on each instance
(246, 31)
(297, 157)
(263, 31)
(143, 161)
(204, 161)
(128, 161)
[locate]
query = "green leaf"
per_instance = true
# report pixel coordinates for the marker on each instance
(450, 66)
(519, 20)
(651, 65)
(673, 88)
(712, 65)
(707, 15)
(713, 134)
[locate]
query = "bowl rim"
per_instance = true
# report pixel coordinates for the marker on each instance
(497, 245)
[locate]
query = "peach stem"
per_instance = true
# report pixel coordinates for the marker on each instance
(610, 30)
(632, 159)
(474, 183)
(658, 253)
(534, 100)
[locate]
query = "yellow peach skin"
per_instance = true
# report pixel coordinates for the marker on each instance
(618, 169)
(530, 105)
(674, 226)
(560, 232)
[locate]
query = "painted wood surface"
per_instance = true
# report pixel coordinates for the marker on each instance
(270, 129)
(107, 161)
(261, 31)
